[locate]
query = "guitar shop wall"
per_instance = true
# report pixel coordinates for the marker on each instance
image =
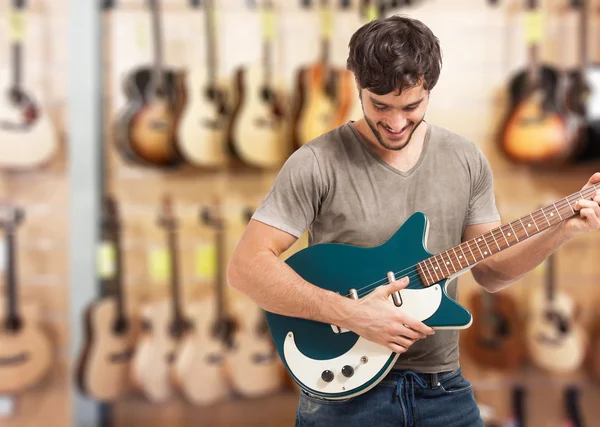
(194, 139)
(34, 215)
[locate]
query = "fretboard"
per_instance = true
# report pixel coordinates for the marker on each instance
(469, 253)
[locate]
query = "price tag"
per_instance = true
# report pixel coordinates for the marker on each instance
(106, 260)
(268, 23)
(16, 25)
(534, 26)
(372, 13)
(326, 23)
(205, 261)
(160, 266)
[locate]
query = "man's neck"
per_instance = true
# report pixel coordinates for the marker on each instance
(402, 160)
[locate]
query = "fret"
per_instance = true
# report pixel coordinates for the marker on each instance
(437, 279)
(464, 255)
(455, 270)
(485, 241)
(582, 194)
(493, 237)
(503, 235)
(569, 203)
(477, 244)
(523, 225)
(513, 230)
(438, 263)
(426, 268)
(473, 255)
(544, 213)
(457, 259)
(534, 222)
(557, 211)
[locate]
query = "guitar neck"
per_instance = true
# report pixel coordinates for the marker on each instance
(175, 283)
(550, 280)
(219, 280)
(533, 51)
(468, 254)
(11, 279)
(211, 57)
(18, 28)
(119, 294)
(157, 74)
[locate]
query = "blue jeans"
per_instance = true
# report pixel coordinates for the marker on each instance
(401, 399)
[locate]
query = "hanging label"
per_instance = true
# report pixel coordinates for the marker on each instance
(16, 25)
(268, 23)
(205, 261)
(534, 26)
(160, 266)
(106, 260)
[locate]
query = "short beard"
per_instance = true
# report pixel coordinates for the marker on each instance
(378, 134)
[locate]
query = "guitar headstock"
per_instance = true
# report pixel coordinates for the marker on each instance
(10, 216)
(211, 216)
(167, 216)
(110, 214)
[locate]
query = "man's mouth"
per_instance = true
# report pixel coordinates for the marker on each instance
(395, 135)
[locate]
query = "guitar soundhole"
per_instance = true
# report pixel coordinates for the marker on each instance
(121, 326)
(267, 94)
(170, 357)
(146, 325)
(124, 356)
(159, 125)
(562, 324)
(214, 359)
(14, 324)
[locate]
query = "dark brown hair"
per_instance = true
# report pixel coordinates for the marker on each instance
(388, 55)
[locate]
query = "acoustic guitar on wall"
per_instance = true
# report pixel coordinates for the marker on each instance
(258, 121)
(163, 325)
(25, 350)
(104, 370)
(201, 367)
(146, 126)
(534, 131)
(495, 340)
(555, 339)
(27, 135)
(203, 126)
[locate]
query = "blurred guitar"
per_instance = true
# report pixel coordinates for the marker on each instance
(104, 367)
(594, 353)
(556, 341)
(146, 126)
(25, 351)
(256, 131)
(163, 327)
(201, 364)
(574, 417)
(203, 126)
(323, 94)
(534, 131)
(27, 136)
(494, 340)
(254, 365)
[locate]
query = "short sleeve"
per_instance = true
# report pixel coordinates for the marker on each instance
(293, 201)
(482, 205)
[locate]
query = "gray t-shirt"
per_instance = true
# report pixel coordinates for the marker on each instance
(341, 191)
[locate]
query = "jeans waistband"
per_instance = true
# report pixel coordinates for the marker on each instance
(431, 379)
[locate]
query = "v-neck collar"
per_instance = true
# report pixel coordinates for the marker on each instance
(405, 174)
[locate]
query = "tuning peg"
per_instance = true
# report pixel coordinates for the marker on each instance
(248, 212)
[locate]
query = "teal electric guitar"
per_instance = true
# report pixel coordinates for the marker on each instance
(334, 363)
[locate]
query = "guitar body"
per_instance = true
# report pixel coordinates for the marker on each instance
(555, 341)
(200, 366)
(146, 127)
(25, 354)
(105, 368)
(502, 345)
(256, 132)
(307, 348)
(202, 130)
(27, 136)
(316, 103)
(535, 131)
(156, 351)
(255, 368)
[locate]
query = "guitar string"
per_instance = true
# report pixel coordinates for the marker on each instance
(537, 215)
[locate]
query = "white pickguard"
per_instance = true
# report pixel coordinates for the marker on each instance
(417, 303)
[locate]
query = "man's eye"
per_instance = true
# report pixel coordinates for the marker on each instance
(411, 108)
(378, 108)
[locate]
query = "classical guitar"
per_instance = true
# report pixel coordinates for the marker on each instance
(163, 326)
(27, 135)
(258, 122)
(203, 126)
(495, 339)
(334, 363)
(146, 126)
(534, 131)
(555, 339)
(25, 350)
(202, 362)
(323, 93)
(105, 363)
(254, 366)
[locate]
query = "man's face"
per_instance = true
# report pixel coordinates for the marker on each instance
(393, 118)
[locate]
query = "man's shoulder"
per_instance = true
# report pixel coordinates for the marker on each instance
(448, 138)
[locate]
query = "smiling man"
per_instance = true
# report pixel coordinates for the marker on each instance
(357, 185)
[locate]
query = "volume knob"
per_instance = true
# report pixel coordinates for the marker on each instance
(327, 376)
(347, 371)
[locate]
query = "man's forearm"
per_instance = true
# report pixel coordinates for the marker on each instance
(513, 263)
(276, 287)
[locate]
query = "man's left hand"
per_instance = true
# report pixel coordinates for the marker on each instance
(589, 212)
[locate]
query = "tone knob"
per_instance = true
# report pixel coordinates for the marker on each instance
(347, 371)
(327, 376)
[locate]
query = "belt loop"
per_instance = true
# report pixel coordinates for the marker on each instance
(435, 383)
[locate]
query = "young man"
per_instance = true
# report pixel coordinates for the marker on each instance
(357, 184)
